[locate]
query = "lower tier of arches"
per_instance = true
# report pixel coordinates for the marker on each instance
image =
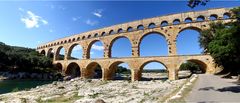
(105, 69)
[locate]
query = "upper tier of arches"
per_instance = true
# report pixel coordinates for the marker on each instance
(145, 24)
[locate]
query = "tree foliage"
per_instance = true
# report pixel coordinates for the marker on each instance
(194, 3)
(22, 59)
(191, 66)
(221, 41)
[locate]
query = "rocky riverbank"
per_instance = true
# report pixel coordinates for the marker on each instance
(89, 91)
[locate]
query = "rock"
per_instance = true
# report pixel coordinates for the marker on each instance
(100, 101)
(66, 78)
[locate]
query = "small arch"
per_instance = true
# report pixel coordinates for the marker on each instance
(73, 70)
(130, 29)
(96, 35)
(151, 25)
(57, 43)
(213, 17)
(73, 39)
(69, 40)
(164, 23)
(111, 32)
(120, 30)
(89, 36)
(200, 18)
(226, 15)
(188, 20)
(83, 37)
(176, 22)
(140, 27)
(78, 38)
(65, 41)
(94, 70)
(61, 42)
(103, 34)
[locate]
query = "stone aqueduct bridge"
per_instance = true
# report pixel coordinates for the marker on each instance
(168, 26)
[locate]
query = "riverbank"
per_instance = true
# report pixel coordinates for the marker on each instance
(87, 91)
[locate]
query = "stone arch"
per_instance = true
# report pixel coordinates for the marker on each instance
(120, 30)
(43, 52)
(89, 36)
(111, 32)
(151, 25)
(90, 46)
(140, 27)
(115, 39)
(190, 27)
(96, 35)
(73, 70)
(103, 34)
(57, 55)
(149, 33)
(226, 15)
(152, 61)
(188, 20)
(164, 23)
(113, 69)
(130, 29)
(176, 22)
(93, 70)
(58, 67)
(70, 50)
(202, 64)
(50, 53)
(200, 18)
(213, 17)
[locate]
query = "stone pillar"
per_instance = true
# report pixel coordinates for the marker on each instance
(107, 51)
(135, 51)
(66, 54)
(87, 73)
(106, 74)
(172, 72)
(172, 47)
(136, 74)
(85, 54)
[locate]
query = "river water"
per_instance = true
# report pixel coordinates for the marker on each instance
(7, 86)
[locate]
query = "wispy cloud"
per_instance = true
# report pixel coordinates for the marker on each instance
(98, 13)
(97, 47)
(76, 18)
(32, 20)
(57, 7)
(91, 52)
(91, 22)
(77, 48)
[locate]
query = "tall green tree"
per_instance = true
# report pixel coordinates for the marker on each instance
(222, 42)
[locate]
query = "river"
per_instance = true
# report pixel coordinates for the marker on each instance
(7, 86)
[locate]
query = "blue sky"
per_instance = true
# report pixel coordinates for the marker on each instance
(31, 23)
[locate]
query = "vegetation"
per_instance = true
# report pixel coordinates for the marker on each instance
(191, 66)
(221, 41)
(19, 59)
(194, 3)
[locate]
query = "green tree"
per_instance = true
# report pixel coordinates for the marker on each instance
(221, 41)
(191, 66)
(194, 3)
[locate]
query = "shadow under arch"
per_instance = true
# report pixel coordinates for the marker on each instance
(73, 70)
(161, 77)
(89, 47)
(50, 53)
(58, 67)
(113, 71)
(199, 63)
(114, 40)
(93, 70)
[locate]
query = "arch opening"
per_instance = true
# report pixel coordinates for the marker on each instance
(151, 25)
(95, 50)
(75, 52)
(164, 23)
(187, 41)
(43, 52)
(120, 71)
(226, 16)
(73, 70)
(111, 32)
(50, 53)
(120, 47)
(176, 22)
(153, 70)
(60, 54)
(200, 18)
(120, 30)
(130, 29)
(58, 67)
(213, 17)
(188, 20)
(140, 27)
(146, 47)
(93, 70)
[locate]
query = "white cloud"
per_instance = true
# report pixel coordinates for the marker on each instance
(91, 52)
(51, 31)
(97, 47)
(92, 23)
(76, 18)
(77, 48)
(21, 9)
(98, 13)
(32, 20)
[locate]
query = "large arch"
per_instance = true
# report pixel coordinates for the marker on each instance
(75, 51)
(60, 53)
(95, 46)
(58, 67)
(187, 41)
(93, 70)
(160, 72)
(200, 63)
(125, 44)
(118, 72)
(73, 70)
(154, 38)
(50, 53)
